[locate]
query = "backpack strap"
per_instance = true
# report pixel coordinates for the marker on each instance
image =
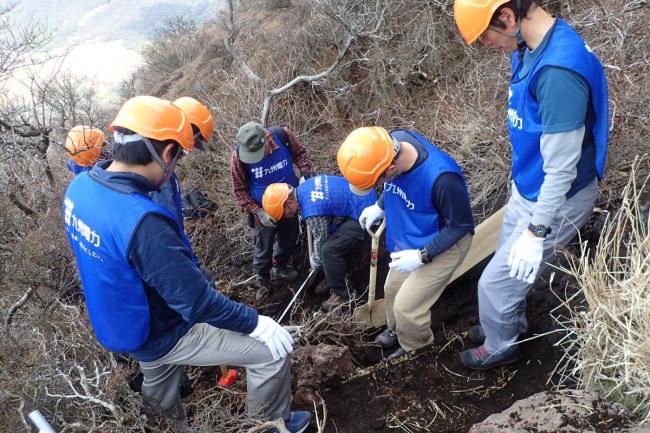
(280, 135)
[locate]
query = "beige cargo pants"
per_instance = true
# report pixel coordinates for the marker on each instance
(410, 296)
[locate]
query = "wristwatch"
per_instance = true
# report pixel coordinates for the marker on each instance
(424, 256)
(539, 231)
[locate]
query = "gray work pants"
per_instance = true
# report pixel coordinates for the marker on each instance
(501, 299)
(268, 381)
(267, 250)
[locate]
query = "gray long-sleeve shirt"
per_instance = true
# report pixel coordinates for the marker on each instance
(561, 153)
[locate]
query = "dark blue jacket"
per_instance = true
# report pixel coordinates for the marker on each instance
(178, 294)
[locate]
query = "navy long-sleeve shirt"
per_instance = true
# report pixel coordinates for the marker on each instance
(178, 293)
(454, 212)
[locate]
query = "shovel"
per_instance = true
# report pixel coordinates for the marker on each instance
(484, 243)
(308, 279)
(373, 314)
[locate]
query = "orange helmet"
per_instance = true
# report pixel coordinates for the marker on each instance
(364, 156)
(84, 144)
(473, 16)
(275, 195)
(198, 114)
(155, 118)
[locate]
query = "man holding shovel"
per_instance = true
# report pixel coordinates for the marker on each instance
(331, 212)
(429, 223)
(558, 125)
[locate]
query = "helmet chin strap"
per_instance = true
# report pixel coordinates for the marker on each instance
(396, 147)
(131, 138)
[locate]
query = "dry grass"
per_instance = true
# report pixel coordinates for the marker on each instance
(608, 336)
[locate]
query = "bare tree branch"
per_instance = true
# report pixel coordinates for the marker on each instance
(304, 78)
(12, 310)
(228, 42)
(278, 424)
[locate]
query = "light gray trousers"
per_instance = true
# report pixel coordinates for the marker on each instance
(268, 381)
(501, 299)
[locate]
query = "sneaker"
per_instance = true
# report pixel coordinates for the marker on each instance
(297, 422)
(387, 338)
(332, 302)
(479, 358)
(283, 273)
(476, 334)
(263, 288)
(396, 354)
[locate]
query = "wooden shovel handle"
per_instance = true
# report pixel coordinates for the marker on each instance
(374, 258)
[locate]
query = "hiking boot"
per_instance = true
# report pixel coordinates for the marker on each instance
(332, 302)
(297, 422)
(396, 354)
(263, 288)
(476, 334)
(322, 288)
(479, 358)
(283, 273)
(387, 338)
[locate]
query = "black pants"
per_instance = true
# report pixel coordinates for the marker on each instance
(344, 240)
(265, 237)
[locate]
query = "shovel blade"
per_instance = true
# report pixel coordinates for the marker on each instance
(364, 317)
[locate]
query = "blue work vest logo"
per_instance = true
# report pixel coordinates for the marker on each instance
(259, 172)
(392, 188)
(317, 195)
(78, 228)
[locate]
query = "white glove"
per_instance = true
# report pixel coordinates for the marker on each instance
(316, 266)
(370, 215)
(525, 257)
(273, 336)
(405, 261)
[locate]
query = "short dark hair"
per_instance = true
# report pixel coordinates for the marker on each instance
(136, 153)
(519, 7)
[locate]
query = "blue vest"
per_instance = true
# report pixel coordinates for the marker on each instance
(169, 197)
(331, 196)
(567, 50)
(412, 220)
(274, 168)
(76, 168)
(100, 223)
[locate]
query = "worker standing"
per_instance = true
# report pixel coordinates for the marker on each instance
(145, 295)
(331, 212)
(558, 124)
(429, 223)
(169, 194)
(261, 157)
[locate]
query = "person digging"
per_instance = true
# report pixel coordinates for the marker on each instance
(261, 157)
(557, 121)
(331, 211)
(429, 223)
